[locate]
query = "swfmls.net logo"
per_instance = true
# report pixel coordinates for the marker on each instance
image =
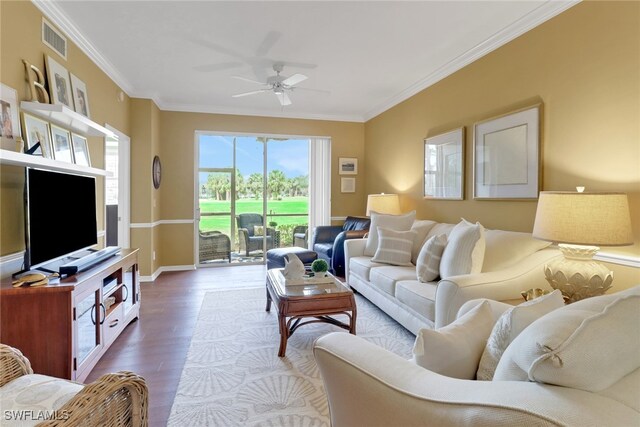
(31, 415)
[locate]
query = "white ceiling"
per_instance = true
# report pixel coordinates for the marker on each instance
(369, 55)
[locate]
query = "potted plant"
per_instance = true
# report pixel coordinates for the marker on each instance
(319, 267)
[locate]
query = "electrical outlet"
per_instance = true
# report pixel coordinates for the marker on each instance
(154, 255)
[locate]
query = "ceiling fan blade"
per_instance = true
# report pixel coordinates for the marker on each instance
(295, 79)
(283, 98)
(248, 80)
(253, 92)
(269, 41)
(325, 92)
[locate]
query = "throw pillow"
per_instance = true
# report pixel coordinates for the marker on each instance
(258, 230)
(464, 253)
(589, 345)
(508, 327)
(394, 247)
(422, 228)
(454, 350)
(393, 222)
(428, 263)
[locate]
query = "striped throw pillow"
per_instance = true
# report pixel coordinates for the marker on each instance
(394, 247)
(428, 263)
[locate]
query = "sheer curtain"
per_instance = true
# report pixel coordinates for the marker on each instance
(319, 183)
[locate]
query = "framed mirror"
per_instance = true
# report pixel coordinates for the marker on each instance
(444, 166)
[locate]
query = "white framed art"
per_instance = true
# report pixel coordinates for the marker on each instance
(348, 165)
(59, 83)
(506, 156)
(80, 97)
(37, 136)
(347, 185)
(80, 150)
(62, 146)
(10, 126)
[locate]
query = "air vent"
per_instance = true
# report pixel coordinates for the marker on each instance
(54, 39)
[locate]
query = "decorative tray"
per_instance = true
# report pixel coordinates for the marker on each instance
(307, 280)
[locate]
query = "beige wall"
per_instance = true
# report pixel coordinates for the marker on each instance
(583, 66)
(20, 38)
(177, 152)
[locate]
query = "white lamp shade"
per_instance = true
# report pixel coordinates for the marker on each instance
(383, 203)
(600, 219)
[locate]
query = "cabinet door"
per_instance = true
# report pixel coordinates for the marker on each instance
(89, 313)
(130, 289)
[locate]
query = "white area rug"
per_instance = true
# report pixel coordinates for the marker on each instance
(234, 377)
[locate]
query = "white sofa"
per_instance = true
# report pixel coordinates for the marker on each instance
(513, 262)
(584, 375)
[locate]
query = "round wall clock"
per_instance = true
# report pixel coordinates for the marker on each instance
(156, 172)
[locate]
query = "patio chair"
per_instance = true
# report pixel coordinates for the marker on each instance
(248, 239)
(214, 245)
(300, 236)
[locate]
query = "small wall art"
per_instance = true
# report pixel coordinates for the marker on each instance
(347, 185)
(348, 165)
(10, 126)
(506, 156)
(59, 83)
(62, 146)
(37, 136)
(80, 97)
(80, 150)
(444, 166)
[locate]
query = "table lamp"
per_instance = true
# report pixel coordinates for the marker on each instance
(383, 203)
(579, 222)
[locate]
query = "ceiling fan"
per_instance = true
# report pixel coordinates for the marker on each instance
(277, 84)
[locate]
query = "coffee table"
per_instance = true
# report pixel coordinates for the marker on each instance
(317, 300)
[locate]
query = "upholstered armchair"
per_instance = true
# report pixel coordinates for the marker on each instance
(248, 239)
(214, 245)
(113, 400)
(328, 240)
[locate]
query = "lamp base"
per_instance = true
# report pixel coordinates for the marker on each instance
(577, 275)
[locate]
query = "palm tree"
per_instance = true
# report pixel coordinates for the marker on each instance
(254, 185)
(276, 183)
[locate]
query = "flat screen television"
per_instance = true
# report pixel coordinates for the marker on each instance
(60, 215)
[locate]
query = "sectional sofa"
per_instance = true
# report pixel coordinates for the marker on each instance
(513, 262)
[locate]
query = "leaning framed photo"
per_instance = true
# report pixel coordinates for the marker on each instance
(348, 165)
(59, 83)
(37, 136)
(80, 150)
(506, 156)
(10, 126)
(444, 166)
(347, 185)
(62, 147)
(80, 97)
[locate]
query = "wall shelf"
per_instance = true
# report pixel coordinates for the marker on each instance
(20, 159)
(66, 118)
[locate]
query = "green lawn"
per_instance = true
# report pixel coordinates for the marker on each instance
(288, 205)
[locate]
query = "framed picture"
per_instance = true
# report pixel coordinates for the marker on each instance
(80, 150)
(59, 84)
(444, 166)
(10, 126)
(61, 141)
(506, 156)
(347, 185)
(80, 98)
(37, 136)
(348, 165)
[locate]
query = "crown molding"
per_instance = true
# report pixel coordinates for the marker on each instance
(57, 17)
(534, 18)
(195, 108)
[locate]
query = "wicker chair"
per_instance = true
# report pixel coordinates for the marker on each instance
(214, 245)
(247, 239)
(300, 236)
(113, 400)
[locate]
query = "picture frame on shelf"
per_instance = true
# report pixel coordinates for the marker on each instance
(62, 145)
(347, 185)
(59, 83)
(10, 126)
(80, 150)
(348, 165)
(80, 97)
(506, 153)
(37, 136)
(444, 166)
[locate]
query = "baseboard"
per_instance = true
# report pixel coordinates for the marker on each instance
(161, 270)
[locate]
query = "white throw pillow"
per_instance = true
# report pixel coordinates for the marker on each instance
(507, 248)
(508, 327)
(464, 253)
(422, 228)
(428, 263)
(588, 345)
(394, 247)
(392, 222)
(454, 350)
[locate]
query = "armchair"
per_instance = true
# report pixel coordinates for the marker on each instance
(328, 240)
(247, 238)
(214, 245)
(300, 236)
(113, 400)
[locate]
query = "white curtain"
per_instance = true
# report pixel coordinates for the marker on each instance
(319, 183)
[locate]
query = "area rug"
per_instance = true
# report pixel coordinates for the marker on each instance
(234, 377)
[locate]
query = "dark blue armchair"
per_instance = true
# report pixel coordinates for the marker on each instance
(328, 240)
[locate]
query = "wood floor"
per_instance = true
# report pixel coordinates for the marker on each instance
(156, 345)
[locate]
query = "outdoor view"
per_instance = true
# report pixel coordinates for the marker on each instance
(231, 182)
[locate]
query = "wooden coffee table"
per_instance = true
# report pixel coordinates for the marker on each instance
(317, 300)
